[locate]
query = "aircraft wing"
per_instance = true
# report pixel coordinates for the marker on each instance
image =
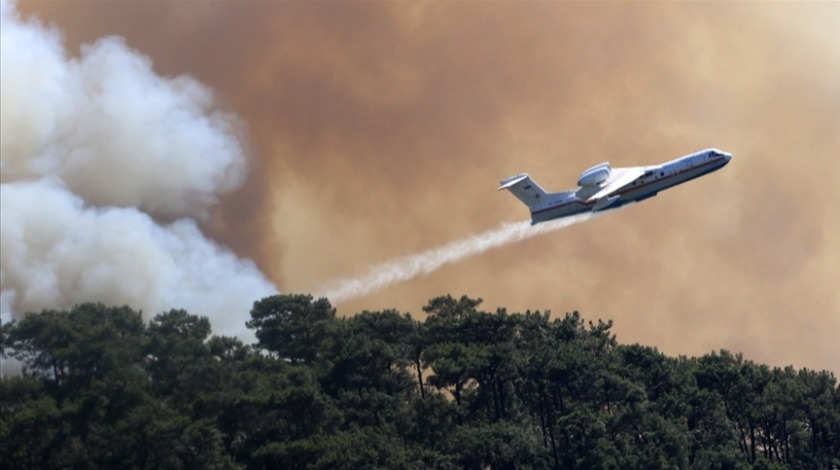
(621, 177)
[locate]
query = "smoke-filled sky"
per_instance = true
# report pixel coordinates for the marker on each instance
(374, 130)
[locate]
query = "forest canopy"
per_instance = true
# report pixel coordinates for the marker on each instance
(465, 388)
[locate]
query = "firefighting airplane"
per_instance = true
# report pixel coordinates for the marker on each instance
(603, 187)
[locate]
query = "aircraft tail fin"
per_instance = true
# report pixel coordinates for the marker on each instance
(524, 188)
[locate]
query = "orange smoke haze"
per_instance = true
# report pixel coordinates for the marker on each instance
(380, 129)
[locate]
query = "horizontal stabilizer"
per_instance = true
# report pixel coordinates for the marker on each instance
(508, 182)
(524, 188)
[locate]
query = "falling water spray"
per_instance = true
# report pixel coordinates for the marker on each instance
(408, 267)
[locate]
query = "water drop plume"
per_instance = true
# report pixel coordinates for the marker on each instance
(408, 267)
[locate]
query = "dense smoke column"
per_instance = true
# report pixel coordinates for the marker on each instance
(106, 169)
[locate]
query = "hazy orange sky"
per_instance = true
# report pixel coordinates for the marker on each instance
(379, 129)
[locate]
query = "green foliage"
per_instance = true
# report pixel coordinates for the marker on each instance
(292, 326)
(465, 388)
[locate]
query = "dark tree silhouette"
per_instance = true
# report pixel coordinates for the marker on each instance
(464, 388)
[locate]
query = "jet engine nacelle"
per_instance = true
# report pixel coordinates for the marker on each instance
(595, 175)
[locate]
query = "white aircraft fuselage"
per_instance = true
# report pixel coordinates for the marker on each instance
(603, 187)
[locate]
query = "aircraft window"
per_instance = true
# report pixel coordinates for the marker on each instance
(662, 173)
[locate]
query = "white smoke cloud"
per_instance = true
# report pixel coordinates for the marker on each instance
(112, 130)
(104, 169)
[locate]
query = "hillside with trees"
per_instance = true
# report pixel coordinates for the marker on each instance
(464, 388)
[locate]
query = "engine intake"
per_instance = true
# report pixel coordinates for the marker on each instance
(595, 175)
